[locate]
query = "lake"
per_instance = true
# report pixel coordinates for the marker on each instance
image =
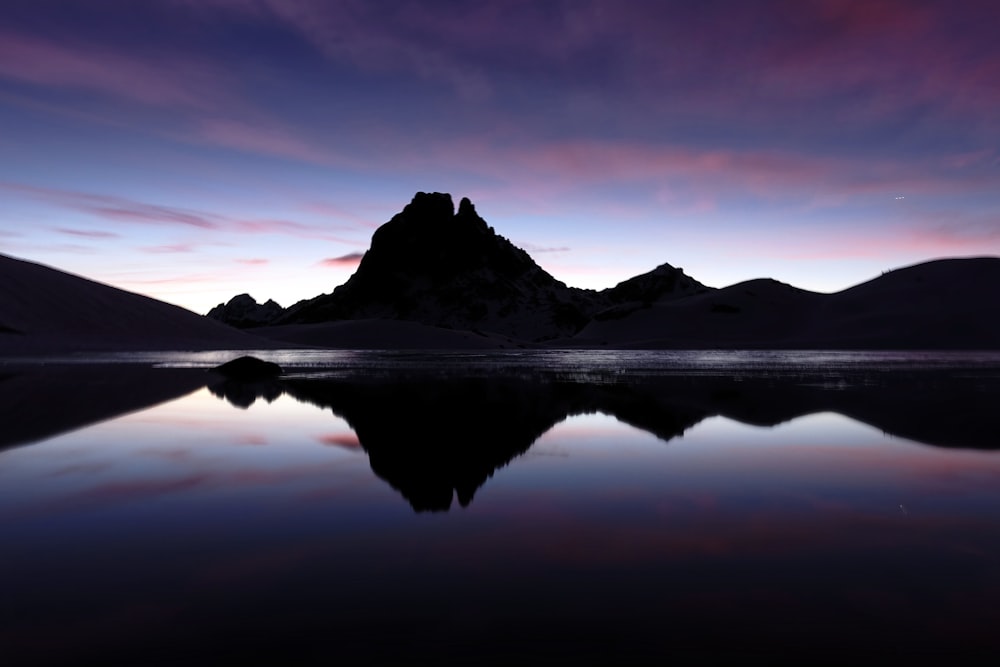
(492, 508)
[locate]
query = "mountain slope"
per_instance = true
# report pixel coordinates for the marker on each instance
(942, 304)
(45, 310)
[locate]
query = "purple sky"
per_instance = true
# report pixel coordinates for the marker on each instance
(195, 149)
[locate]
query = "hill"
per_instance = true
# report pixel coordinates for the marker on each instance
(43, 310)
(941, 304)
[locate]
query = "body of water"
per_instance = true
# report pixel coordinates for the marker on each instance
(390, 507)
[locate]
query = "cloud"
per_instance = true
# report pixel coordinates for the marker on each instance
(253, 261)
(346, 440)
(350, 259)
(180, 82)
(532, 248)
(88, 233)
(287, 227)
(123, 210)
(170, 248)
(114, 208)
(388, 38)
(263, 139)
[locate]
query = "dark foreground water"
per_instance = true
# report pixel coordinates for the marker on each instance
(528, 507)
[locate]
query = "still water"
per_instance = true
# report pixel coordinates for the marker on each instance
(470, 508)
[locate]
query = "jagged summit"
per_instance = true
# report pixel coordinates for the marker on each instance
(244, 312)
(428, 238)
(434, 265)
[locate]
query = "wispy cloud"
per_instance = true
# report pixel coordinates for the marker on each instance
(87, 233)
(264, 139)
(118, 209)
(253, 261)
(345, 440)
(532, 248)
(170, 248)
(95, 67)
(350, 259)
(124, 210)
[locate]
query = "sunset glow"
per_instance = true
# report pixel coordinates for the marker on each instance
(194, 150)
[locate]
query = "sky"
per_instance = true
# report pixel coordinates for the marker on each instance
(192, 150)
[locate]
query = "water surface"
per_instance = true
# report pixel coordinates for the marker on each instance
(477, 508)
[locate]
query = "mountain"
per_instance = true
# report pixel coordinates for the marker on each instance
(942, 304)
(243, 312)
(449, 270)
(433, 265)
(44, 310)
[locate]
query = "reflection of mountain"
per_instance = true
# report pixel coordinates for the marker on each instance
(44, 401)
(433, 437)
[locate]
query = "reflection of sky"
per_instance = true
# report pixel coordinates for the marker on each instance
(202, 450)
(196, 509)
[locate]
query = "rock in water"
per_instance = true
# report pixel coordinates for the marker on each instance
(248, 369)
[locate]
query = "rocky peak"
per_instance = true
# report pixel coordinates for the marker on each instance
(244, 312)
(663, 282)
(429, 206)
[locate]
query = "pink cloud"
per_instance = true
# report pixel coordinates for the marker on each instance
(113, 208)
(914, 234)
(346, 440)
(350, 259)
(171, 248)
(174, 280)
(253, 261)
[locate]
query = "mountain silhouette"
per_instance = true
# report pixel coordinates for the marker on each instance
(441, 267)
(942, 304)
(45, 310)
(446, 269)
